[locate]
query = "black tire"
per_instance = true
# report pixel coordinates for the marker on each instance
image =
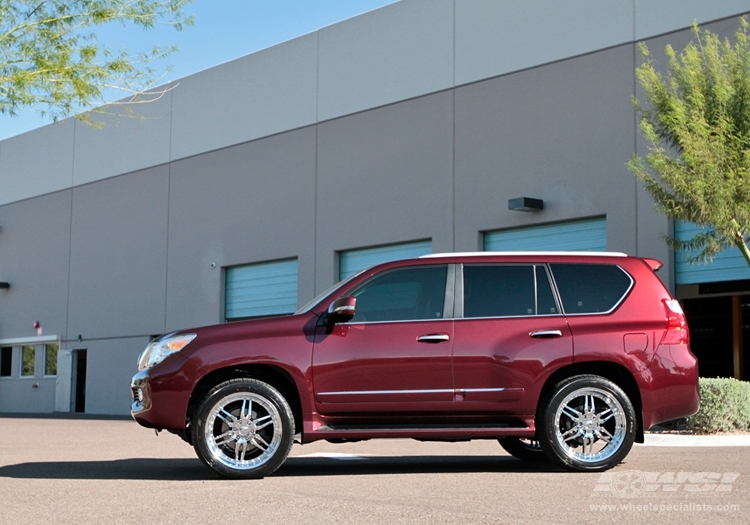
(587, 424)
(523, 448)
(243, 428)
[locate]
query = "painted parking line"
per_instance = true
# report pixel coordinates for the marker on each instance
(683, 440)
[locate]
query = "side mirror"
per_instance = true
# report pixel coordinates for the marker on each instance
(341, 310)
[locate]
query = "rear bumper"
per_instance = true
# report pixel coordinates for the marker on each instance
(669, 387)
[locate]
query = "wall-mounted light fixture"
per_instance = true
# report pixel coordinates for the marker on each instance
(525, 204)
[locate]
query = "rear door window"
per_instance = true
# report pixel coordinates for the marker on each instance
(497, 290)
(590, 288)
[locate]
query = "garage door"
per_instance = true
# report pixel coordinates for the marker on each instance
(352, 261)
(254, 290)
(588, 235)
(728, 265)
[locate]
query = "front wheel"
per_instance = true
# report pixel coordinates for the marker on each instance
(588, 424)
(243, 428)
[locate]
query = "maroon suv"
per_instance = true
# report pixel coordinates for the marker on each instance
(568, 357)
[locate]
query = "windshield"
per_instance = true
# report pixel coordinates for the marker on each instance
(320, 297)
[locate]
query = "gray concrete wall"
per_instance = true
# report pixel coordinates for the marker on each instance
(384, 176)
(20, 395)
(249, 203)
(561, 133)
(111, 364)
(24, 173)
(35, 260)
(268, 92)
(36, 394)
(118, 255)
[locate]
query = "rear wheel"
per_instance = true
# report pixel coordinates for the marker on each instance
(588, 424)
(244, 428)
(526, 449)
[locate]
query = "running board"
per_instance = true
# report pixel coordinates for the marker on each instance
(419, 432)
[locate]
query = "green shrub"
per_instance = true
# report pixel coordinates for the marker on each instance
(725, 406)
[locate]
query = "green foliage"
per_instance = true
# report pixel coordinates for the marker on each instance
(28, 360)
(725, 406)
(697, 126)
(50, 56)
(50, 359)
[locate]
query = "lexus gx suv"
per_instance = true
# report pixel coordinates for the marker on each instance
(566, 357)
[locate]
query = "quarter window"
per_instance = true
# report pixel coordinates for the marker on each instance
(590, 288)
(402, 294)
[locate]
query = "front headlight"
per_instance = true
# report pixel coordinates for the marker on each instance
(158, 351)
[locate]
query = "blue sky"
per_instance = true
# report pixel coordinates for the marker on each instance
(223, 30)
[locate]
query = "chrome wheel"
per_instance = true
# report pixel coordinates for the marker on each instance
(243, 429)
(588, 424)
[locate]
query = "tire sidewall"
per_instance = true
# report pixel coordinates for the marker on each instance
(518, 449)
(237, 386)
(548, 430)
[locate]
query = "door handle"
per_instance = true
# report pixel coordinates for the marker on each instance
(434, 338)
(546, 334)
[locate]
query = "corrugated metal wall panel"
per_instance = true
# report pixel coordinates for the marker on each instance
(584, 235)
(728, 265)
(352, 261)
(259, 289)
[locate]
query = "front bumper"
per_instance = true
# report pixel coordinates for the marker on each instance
(140, 392)
(161, 394)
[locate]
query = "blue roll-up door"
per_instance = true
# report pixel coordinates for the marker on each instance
(255, 290)
(588, 235)
(728, 265)
(352, 261)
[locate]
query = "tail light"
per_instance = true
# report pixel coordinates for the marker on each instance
(676, 329)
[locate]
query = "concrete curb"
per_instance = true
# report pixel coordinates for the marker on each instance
(686, 440)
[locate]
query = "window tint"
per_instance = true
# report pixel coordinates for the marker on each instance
(498, 291)
(404, 294)
(590, 288)
(6, 355)
(546, 304)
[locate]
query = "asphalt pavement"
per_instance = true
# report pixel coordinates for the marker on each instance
(91, 471)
